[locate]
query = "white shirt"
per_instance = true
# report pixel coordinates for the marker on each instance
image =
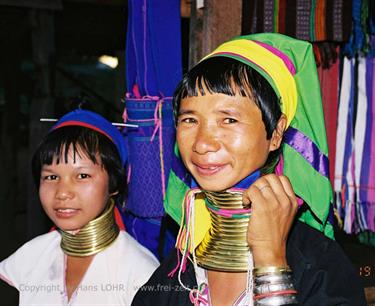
(244, 299)
(37, 270)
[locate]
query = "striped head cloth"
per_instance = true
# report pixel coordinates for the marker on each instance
(94, 121)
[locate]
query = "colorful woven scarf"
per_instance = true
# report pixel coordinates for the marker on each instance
(289, 66)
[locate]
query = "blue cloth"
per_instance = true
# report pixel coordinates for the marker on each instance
(97, 123)
(243, 184)
(153, 47)
(153, 69)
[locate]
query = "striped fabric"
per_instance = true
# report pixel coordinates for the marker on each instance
(312, 20)
(355, 149)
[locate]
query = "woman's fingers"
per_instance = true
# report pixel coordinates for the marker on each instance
(273, 209)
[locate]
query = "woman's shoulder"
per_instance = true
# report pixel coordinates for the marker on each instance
(310, 246)
(321, 269)
(301, 231)
(311, 243)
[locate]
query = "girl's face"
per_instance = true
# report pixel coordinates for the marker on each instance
(222, 139)
(73, 193)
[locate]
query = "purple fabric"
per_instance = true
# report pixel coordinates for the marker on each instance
(309, 151)
(370, 62)
(145, 230)
(366, 156)
(153, 69)
(349, 137)
(146, 196)
(371, 111)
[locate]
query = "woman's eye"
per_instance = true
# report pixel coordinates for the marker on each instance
(188, 120)
(83, 175)
(230, 120)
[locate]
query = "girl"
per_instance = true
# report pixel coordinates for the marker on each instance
(88, 260)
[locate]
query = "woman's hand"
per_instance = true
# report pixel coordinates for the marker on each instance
(274, 206)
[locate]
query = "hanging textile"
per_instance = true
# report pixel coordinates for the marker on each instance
(367, 170)
(312, 20)
(361, 24)
(329, 84)
(153, 69)
(355, 150)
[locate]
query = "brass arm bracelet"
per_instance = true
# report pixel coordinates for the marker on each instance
(270, 270)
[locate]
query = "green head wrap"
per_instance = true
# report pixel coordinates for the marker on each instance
(289, 66)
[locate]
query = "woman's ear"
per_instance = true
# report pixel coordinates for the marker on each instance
(277, 134)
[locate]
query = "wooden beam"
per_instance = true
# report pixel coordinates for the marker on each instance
(57, 4)
(211, 25)
(102, 2)
(222, 21)
(42, 104)
(36, 4)
(195, 39)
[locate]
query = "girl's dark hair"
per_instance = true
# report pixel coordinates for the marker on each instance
(82, 140)
(230, 77)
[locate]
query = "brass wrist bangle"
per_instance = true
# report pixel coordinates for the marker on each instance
(267, 288)
(271, 270)
(289, 299)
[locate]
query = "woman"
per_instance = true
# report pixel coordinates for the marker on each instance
(236, 110)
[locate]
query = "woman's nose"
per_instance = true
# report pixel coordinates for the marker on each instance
(206, 140)
(64, 190)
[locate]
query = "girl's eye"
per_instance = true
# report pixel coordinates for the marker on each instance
(50, 177)
(230, 120)
(83, 175)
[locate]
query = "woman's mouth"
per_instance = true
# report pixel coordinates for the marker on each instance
(65, 213)
(208, 169)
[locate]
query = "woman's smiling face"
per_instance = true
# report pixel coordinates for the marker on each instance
(222, 139)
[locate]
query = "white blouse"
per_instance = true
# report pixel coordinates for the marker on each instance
(37, 270)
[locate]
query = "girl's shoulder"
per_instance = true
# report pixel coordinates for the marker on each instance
(38, 247)
(51, 238)
(29, 257)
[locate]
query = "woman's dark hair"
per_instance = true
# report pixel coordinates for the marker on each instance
(230, 77)
(82, 140)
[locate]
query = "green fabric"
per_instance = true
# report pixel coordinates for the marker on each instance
(307, 183)
(174, 197)
(367, 238)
